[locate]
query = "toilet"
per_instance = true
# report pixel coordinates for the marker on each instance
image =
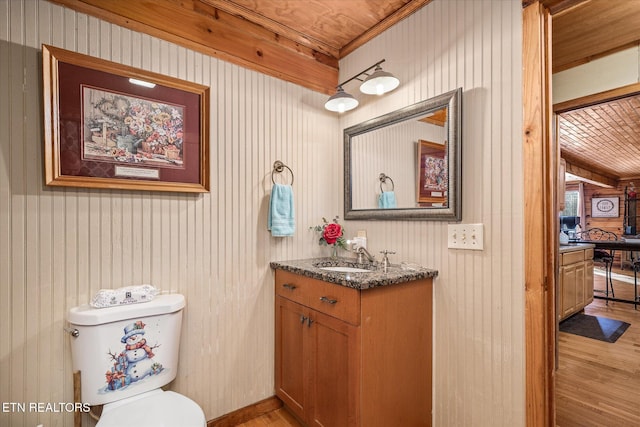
(125, 354)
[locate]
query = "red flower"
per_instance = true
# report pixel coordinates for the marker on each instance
(331, 233)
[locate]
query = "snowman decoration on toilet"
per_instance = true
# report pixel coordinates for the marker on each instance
(135, 362)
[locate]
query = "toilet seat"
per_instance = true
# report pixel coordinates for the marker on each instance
(156, 408)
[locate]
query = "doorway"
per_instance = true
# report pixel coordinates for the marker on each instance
(541, 192)
(596, 381)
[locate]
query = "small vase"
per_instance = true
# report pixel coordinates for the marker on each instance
(334, 252)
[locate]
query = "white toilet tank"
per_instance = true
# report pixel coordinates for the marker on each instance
(126, 350)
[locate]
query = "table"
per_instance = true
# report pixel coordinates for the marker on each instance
(617, 245)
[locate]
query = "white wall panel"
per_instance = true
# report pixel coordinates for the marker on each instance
(621, 68)
(479, 296)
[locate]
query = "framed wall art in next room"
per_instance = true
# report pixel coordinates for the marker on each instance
(605, 207)
(113, 126)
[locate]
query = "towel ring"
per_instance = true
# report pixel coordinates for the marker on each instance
(383, 180)
(278, 167)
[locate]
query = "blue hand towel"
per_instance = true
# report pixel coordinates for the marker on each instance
(281, 220)
(387, 200)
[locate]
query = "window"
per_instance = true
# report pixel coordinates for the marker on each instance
(571, 199)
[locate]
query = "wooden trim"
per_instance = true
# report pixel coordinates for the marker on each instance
(540, 197)
(557, 7)
(77, 397)
(385, 24)
(582, 61)
(596, 98)
(247, 413)
(221, 35)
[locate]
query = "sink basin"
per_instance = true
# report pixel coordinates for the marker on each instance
(346, 269)
(344, 266)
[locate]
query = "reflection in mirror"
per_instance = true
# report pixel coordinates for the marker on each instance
(406, 164)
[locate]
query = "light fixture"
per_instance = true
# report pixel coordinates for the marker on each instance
(376, 83)
(341, 101)
(142, 83)
(379, 82)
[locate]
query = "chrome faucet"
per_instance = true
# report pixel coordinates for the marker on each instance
(363, 252)
(385, 259)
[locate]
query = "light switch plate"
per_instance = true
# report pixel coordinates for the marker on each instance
(466, 236)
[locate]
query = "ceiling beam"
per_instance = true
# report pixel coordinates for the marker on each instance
(199, 26)
(578, 168)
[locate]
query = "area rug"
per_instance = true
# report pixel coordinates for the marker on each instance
(598, 328)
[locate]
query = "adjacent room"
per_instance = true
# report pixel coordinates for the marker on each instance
(597, 293)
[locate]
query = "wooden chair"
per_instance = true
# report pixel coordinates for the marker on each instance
(602, 256)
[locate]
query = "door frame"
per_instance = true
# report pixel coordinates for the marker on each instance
(540, 162)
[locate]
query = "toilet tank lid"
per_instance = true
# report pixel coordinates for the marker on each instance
(161, 304)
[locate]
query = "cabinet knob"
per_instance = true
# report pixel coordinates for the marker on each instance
(328, 300)
(288, 286)
(303, 319)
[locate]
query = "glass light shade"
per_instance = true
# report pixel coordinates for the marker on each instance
(341, 102)
(379, 82)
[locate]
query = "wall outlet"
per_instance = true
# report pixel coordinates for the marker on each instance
(465, 236)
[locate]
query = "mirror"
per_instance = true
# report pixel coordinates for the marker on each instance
(406, 164)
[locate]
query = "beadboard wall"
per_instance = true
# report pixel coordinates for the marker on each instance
(59, 246)
(479, 295)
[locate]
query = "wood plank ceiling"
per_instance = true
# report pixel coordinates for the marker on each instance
(603, 138)
(600, 140)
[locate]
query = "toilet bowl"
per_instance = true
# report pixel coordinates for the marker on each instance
(154, 408)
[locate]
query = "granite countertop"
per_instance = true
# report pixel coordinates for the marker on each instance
(377, 277)
(569, 247)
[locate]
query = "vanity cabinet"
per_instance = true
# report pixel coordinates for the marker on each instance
(575, 281)
(351, 357)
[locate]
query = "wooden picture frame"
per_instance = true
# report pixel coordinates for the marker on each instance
(432, 174)
(103, 129)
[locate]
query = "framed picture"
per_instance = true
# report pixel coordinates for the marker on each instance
(605, 207)
(432, 174)
(109, 125)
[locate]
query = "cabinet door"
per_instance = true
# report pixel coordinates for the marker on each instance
(568, 286)
(335, 390)
(291, 363)
(580, 286)
(588, 282)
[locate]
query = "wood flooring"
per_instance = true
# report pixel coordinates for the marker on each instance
(598, 383)
(278, 418)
